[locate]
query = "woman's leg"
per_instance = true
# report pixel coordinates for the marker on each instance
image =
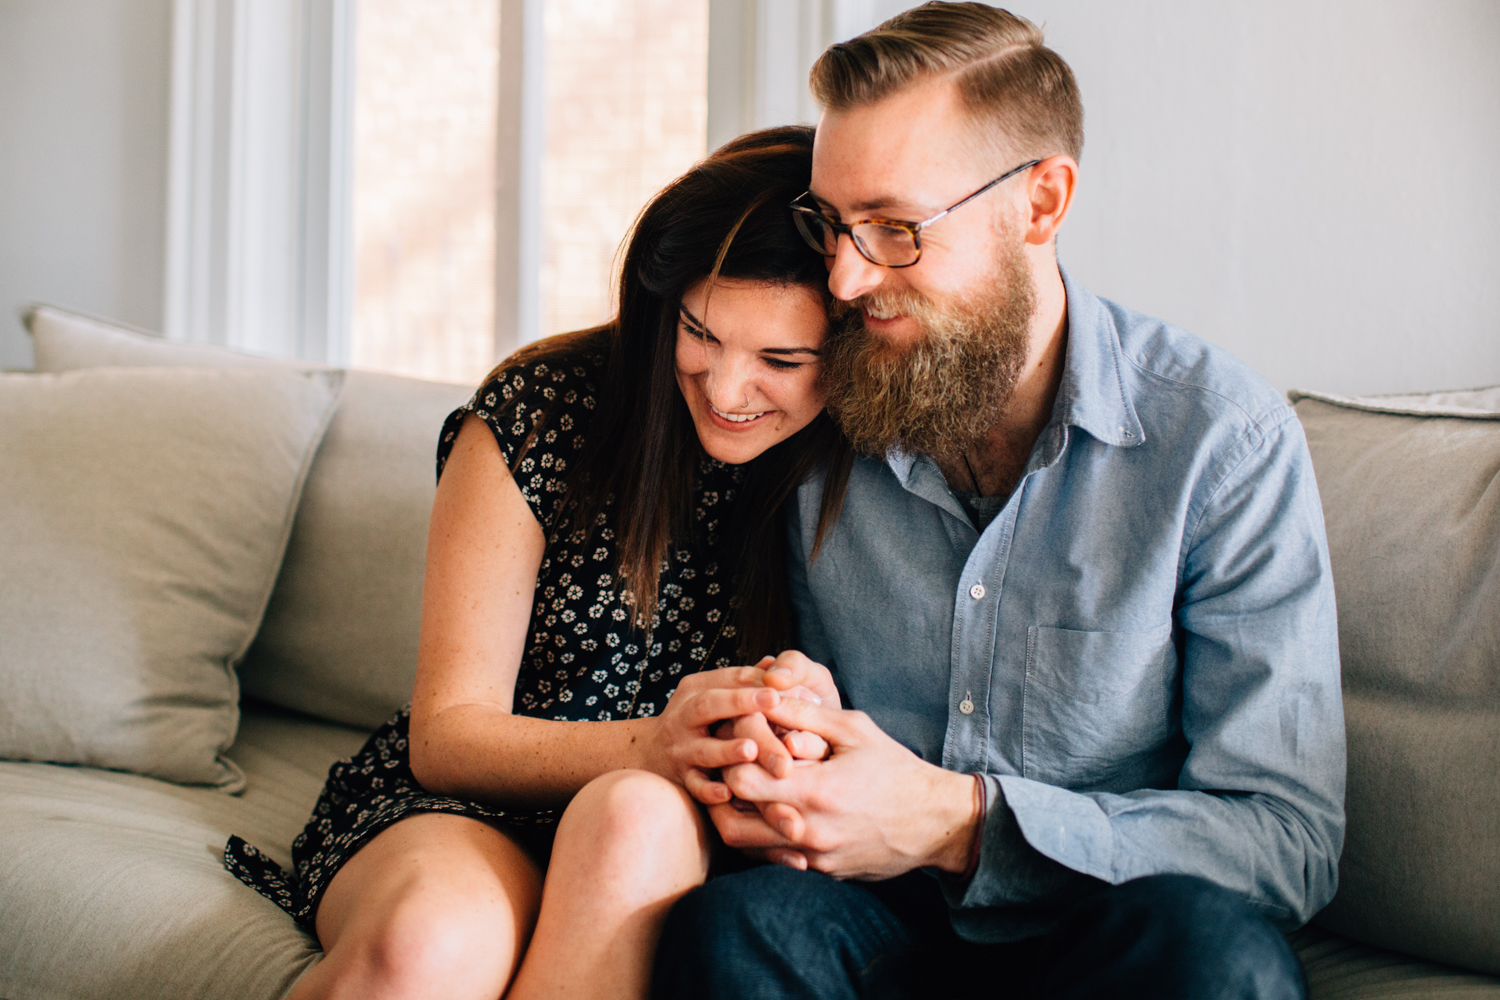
(628, 846)
(434, 906)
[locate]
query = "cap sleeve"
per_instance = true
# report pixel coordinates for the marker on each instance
(538, 412)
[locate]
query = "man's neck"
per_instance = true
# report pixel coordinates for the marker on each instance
(996, 466)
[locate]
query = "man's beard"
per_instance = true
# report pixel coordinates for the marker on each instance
(943, 393)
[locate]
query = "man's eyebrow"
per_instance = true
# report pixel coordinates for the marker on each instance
(882, 203)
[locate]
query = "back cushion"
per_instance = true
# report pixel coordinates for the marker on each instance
(1411, 495)
(339, 639)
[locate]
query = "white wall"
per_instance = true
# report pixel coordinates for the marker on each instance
(1314, 185)
(84, 94)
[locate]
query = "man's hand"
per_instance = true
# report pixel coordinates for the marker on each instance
(794, 676)
(872, 811)
(685, 745)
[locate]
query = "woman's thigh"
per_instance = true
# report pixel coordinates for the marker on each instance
(433, 895)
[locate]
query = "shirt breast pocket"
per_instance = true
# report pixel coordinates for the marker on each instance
(1097, 706)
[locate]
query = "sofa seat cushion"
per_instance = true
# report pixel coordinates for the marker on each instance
(113, 884)
(1341, 969)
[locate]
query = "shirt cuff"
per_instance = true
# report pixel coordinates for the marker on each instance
(1012, 875)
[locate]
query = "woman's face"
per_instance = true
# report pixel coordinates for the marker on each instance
(748, 361)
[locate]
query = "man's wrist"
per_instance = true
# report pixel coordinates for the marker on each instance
(960, 810)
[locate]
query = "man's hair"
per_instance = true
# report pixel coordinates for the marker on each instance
(1021, 93)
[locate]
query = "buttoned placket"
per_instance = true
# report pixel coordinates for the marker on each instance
(967, 740)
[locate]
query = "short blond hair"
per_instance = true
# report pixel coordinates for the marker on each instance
(1021, 93)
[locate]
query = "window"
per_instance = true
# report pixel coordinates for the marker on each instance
(625, 99)
(339, 169)
(627, 111)
(426, 100)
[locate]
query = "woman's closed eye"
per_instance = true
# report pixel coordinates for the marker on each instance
(697, 332)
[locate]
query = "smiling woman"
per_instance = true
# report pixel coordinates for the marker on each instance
(605, 546)
(749, 367)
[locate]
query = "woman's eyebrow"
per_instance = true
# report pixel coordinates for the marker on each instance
(693, 319)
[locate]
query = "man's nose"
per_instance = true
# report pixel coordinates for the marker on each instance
(851, 275)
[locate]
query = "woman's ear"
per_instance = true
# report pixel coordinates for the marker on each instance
(1050, 185)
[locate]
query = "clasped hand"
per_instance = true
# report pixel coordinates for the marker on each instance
(806, 784)
(716, 720)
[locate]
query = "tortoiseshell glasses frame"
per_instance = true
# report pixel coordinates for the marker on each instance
(882, 242)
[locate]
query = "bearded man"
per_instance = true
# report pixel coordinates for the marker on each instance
(1078, 597)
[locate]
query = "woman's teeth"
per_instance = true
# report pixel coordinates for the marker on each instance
(736, 418)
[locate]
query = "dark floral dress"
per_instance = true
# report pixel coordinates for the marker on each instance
(583, 660)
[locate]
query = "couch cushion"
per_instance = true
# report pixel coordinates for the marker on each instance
(1411, 496)
(1340, 969)
(112, 885)
(143, 517)
(340, 636)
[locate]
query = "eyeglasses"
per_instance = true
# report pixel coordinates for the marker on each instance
(884, 242)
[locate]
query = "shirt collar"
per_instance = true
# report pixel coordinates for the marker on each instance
(1092, 395)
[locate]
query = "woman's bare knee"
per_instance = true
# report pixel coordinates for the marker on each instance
(435, 936)
(434, 905)
(636, 816)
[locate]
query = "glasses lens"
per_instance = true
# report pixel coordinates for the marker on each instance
(890, 246)
(816, 232)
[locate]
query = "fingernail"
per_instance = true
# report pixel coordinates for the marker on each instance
(816, 700)
(766, 699)
(783, 671)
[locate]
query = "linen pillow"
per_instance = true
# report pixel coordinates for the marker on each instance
(1411, 497)
(339, 638)
(143, 516)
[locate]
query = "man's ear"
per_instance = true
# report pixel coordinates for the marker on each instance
(1050, 185)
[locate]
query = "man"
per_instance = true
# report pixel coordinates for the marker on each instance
(1079, 594)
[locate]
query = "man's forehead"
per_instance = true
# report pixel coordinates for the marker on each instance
(905, 151)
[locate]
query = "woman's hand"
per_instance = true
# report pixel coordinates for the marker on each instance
(810, 682)
(793, 669)
(689, 740)
(683, 745)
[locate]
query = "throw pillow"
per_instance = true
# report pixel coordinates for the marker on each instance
(143, 517)
(339, 639)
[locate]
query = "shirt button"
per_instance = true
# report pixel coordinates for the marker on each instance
(977, 591)
(967, 705)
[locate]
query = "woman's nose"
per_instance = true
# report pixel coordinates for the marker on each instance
(731, 380)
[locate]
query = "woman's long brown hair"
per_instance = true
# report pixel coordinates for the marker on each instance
(727, 217)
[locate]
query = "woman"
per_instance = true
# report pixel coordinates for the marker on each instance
(589, 583)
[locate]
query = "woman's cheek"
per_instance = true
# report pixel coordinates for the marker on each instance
(692, 359)
(812, 394)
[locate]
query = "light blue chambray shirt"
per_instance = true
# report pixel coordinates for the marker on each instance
(1140, 650)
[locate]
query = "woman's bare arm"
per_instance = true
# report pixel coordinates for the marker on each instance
(484, 549)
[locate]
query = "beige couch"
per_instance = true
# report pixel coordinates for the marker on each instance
(111, 883)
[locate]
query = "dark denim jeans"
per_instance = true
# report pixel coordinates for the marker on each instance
(775, 932)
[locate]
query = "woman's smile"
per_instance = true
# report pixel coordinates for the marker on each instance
(737, 421)
(748, 359)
